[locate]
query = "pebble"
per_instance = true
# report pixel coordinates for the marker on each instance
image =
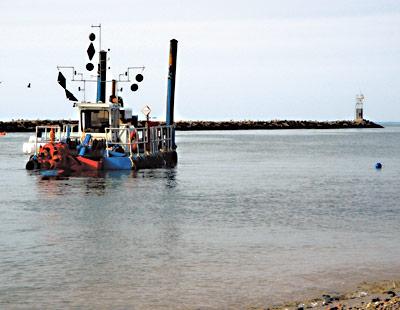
(301, 307)
(362, 294)
(314, 304)
(327, 299)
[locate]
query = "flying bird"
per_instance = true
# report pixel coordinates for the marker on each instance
(29, 85)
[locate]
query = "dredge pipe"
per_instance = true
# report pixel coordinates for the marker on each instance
(171, 86)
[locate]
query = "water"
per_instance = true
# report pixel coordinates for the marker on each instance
(247, 218)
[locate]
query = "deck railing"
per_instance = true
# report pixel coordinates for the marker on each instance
(118, 136)
(45, 135)
(133, 140)
(161, 138)
(140, 140)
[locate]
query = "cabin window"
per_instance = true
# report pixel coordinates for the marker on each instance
(94, 120)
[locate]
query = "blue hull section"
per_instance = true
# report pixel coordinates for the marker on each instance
(117, 163)
(116, 154)
(50, 173)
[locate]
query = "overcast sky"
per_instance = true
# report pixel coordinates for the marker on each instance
(259, 60)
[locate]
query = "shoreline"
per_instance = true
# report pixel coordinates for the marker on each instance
(29, 125)
(384, 294)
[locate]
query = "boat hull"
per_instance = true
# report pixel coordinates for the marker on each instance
(117, 163)
(76, 164)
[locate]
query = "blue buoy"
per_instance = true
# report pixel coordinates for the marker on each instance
(378, 166)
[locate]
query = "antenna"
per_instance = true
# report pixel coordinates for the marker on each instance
(91, 50)
(92, 36)
(100, 78)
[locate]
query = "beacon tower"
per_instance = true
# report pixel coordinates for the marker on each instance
(359, 108)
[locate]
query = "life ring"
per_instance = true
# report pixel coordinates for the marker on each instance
(133, 141)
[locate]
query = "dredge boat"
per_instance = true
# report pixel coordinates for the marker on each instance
(107, 135)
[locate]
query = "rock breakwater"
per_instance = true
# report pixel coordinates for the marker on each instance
(274, 124)
(29, 125)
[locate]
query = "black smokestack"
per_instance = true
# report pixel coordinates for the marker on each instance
(103, 76)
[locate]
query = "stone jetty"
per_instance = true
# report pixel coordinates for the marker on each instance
(274, 124)
(29, 125)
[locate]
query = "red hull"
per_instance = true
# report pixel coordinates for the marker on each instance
(89, 164)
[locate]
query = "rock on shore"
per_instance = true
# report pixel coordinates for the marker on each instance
(29, 125)
(368, 296)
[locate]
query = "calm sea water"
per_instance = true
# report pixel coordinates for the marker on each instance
(247, 218)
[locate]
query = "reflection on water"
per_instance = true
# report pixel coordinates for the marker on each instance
(96, 182)
(246, 218)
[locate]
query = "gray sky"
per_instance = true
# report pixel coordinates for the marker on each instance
(286, 59)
